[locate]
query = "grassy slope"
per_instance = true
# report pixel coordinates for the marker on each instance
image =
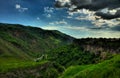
(26, 69)
(8, 50)
(26, 42)
(9, 64)
(107, 69)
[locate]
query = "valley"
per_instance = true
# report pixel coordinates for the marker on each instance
(31, 52)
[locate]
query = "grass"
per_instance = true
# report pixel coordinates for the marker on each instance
(107, 69)
(9, 50)
(9, 64)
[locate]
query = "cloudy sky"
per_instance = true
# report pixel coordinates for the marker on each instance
(78, 18)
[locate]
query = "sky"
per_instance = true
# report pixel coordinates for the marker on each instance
(78, 18)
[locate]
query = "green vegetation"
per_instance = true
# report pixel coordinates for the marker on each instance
(8, 64)
(107, 69)
(29, 69)
(32, 42)
(30, 52)
(75, 55)
(21, 45)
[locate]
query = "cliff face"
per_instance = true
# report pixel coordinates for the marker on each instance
(99, 45)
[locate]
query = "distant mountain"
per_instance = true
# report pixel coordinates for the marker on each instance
(26, 42)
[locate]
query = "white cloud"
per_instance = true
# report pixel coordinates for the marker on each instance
(83, 14)
(51, 23)
(105, 10)
(72, 7)
(77, 28)
(58, 22)
(61, 22)
(88, 15)
(51, 28)
(48, 15)
(38, 18)
(19, 8)
(110, 11)
(113, 12)
(69, 17)
(64, 2)
(84, 32)
(110, 23)
(48, 9)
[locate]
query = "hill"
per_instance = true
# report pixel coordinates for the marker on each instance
(26, 42)
(20, 46)
(106, 69)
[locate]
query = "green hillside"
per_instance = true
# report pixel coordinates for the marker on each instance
(20, 46)
(106, 69)
(31, 52)
(29, 69)
(27, 42)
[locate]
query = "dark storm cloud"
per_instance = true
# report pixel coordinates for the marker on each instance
(97, 4)
(89, 4)
(93, 5)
